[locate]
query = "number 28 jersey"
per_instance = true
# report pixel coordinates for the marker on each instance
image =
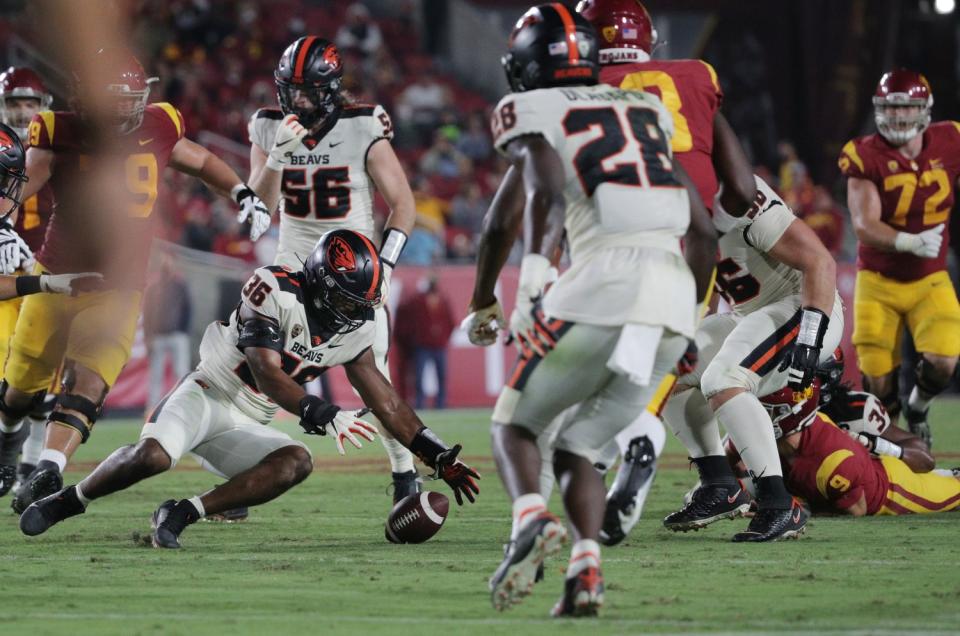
(306, 352)
(625, 209)
(326, 185)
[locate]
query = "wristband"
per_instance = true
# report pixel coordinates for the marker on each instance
(427, 446)
(394, 241)
(240, 189)
(27, 285)
(813, 327)
(882, 446)
(906, 242)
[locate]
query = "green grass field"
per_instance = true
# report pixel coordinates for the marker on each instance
(315, 561)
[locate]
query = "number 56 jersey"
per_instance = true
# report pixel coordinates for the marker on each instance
(326, 185)
(625, 208)
(306, 350)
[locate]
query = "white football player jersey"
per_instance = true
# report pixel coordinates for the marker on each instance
(748, 278)
(326, 185)
(625, 209)
(275, 292)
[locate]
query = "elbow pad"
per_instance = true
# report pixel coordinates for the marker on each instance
(257, 332)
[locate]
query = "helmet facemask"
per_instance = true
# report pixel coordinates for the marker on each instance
(126, 115)
(900, 118)
(335, 308)
(323, 101)
(17, 111)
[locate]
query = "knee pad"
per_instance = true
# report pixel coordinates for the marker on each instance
(890, 399)
(929, 379)
(718, 377)
(19, 413)
(86, 407)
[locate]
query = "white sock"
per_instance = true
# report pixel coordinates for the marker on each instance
(33, 445)
(83, 498)
(916, 402)
(11, 428)
(525, 508)
(198, 505)
(693, 422)
(584, 554)
(749, 427)
(55, 456)
(647, 424)
(401, 459)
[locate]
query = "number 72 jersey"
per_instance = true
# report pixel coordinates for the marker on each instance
(619, 183)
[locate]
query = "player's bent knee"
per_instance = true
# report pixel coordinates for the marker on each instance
(292, 465)
(887, 389)
(875, 361)
(720, 377)
(151, 457)
(934, 373)
(16, 404)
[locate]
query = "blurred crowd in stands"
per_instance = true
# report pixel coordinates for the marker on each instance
(215, 60)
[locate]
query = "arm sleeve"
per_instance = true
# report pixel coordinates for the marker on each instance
(516, 116)
(261, 294)
(769, 225)
(715, 83)
(257, 131)
(381, 126)
(41, 129)
(170, 112)
(851, 162)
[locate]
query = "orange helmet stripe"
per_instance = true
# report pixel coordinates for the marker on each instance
(302, 57)
(573, 54)
(376, 265)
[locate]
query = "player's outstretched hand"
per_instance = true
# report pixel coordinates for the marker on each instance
(14, 252)
(288, 137)
(348, 427)
(460, 477)
(482, 325)
(252, 209)
(72, 284)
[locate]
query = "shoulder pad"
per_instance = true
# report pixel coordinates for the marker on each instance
(268, 113)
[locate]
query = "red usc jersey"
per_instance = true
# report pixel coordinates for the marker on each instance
(915, 195)
(832, 471)
(81, 235)
(33, 217)
(690, 91)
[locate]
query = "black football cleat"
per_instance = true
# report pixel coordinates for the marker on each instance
(775, 524)
(582, 595)
(233, 515)
(42, 482)
(23, 474)
(42, 515)
(169, 520)
(521, 565)
(709, 504)
(405, 484)
(623, 508)
(8, 478)
(918, 424)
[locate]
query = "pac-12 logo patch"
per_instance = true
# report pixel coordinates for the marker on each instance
(340, 256)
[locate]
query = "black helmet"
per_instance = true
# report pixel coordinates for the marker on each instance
(551, 46)
(13, 166)
(342, 278)
(312, 66)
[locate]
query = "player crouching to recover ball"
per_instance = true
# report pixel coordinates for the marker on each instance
(288, 328)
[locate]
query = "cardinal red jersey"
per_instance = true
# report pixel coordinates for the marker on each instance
(690, 91)
(34, 215)
(915, 194)
(83, 234)
(831, 470)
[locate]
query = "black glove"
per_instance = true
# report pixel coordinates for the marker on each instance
(802, 359)
(434, 453)
(688, 361)
(315, 414)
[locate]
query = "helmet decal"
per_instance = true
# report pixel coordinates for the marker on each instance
(5, 141)
(332, 57)
(340, 256)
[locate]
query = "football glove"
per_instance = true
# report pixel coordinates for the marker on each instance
(316, 414)
(535, 274)
(688, 361)
(802, 359)
(482, 325)
(252, 209)
(433, 452)
(924, 244)
(14, 252)
(71, 284)
(285, 143)
(348, 427)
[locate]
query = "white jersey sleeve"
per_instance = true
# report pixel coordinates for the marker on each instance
(258, 295)
(381, 126)
(262, 127)
(771, 219)
(521, 114)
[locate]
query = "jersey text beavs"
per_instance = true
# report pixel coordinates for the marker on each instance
(274, 292)
(83, 234)
(326, 185)
(690, 91)
(915, 194)
(625, 208)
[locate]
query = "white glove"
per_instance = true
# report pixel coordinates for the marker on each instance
(71, 284)
(346, 426)
(285, 142)
(251, 207)
(535, 274)
(924, 244)
(482, 325)
(14, 252)
(385, 285)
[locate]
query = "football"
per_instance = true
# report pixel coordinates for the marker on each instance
(416, 518)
